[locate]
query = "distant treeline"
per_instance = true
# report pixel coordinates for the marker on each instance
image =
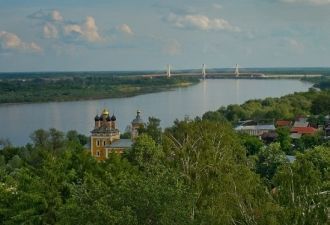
(83, 87)
(322, 83)
(286, 107)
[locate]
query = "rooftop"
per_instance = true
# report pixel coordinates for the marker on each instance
(121, 143)
(283, 123)
(256, 127)
(303, 130)
(104, 129)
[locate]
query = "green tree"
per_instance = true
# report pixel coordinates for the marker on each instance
(302, 188)
(320, 105)
(283, 137)
(153, 129)
(40, 138)
(252, 144)
(269, 159)
(144, 152)
(214, 166)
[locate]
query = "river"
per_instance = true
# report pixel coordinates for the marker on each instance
(18, 121)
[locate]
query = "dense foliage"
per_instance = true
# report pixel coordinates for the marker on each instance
(199, 172)
(266, 110)
(83, 87)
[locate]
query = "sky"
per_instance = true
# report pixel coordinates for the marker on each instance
(124, 35)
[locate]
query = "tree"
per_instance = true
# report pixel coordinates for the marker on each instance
(214, 166)
(215, 116)
(153, 129)
(283, 137)
(320, 105)
(144, 152)
(252, 144)
(40, 138)
(269, 159)
(302, 189)
(56, 139)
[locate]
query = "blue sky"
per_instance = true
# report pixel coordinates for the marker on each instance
(76, 35)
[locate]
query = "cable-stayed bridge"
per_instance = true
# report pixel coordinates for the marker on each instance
(234, 73)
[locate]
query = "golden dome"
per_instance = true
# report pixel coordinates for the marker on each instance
(105, 112)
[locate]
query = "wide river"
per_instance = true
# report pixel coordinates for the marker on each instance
(18, 121)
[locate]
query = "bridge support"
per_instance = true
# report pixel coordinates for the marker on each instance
(204, 71)
(237, 70)
(168, 71)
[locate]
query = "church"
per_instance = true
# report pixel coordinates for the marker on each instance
(105, 137)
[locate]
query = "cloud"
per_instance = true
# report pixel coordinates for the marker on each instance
(293, 44)
(172, 47)
(311, 2)
(11, 42)
(126, 29)
(56, 16)
(50, 31)
(47, 15)
(87, 31)
(200, 22)
(55, 27)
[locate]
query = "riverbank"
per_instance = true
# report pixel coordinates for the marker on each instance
(60, 89)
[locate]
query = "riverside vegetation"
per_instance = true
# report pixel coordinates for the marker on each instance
(19, 89)
(195, 172)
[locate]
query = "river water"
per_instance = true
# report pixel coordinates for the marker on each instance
(18, 121)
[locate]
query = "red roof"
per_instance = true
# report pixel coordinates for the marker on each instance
(283, 123)
(303, 130)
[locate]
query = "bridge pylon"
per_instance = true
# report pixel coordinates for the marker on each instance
(168, 70)
(237, 70)
(204, 71)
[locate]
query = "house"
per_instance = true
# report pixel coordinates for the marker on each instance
(269, 137)
(255, 130)
(327, 130)
(284, 123)
(301, 122)
(303, 130)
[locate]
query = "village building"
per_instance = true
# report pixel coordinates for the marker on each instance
(283, 123)
(255, 130)
(327, 130)
(301, 122)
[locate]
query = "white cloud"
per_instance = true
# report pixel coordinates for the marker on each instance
(200, 22)
(312, 2)
(50, 31)
(87, 31)
(10, 41)
(56, 15)
(126, 29)
(90, 30)
(56, 27)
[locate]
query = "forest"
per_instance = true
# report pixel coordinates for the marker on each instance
(83, 87)
(199, 171)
